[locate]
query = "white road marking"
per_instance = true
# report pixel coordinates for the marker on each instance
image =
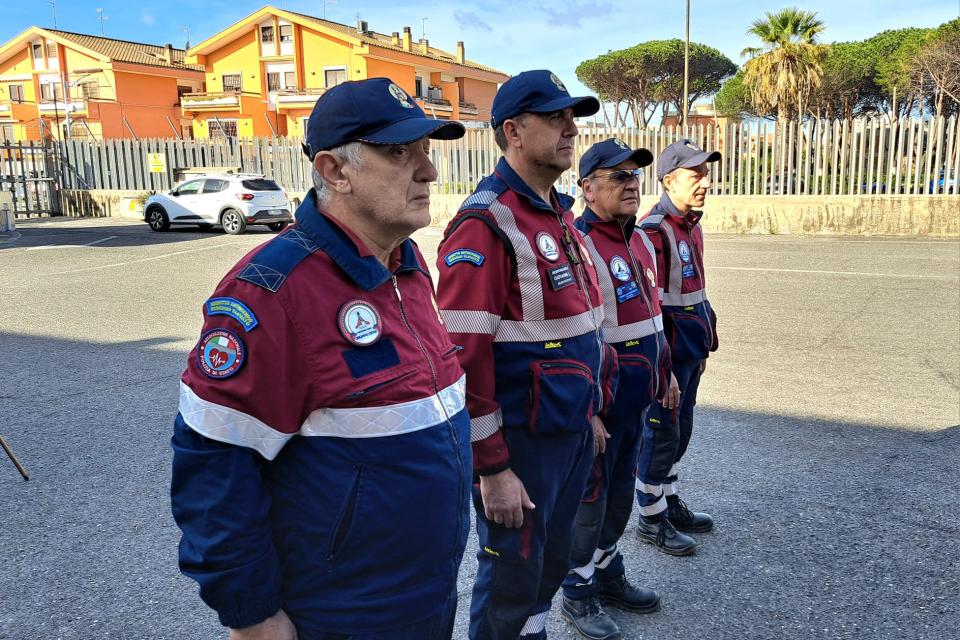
(160, 257)
(70, 246)
(836, 273)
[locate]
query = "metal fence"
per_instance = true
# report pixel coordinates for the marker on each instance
(870, 156)
(29, 173)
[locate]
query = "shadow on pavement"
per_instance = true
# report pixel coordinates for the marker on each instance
(824, 530)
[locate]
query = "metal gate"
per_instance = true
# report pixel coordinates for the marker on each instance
(30, 172)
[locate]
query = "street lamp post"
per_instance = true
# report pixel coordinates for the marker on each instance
(686, 69)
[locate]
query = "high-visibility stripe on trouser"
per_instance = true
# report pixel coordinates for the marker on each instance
(658, 449)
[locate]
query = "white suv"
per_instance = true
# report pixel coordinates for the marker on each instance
(232, 200)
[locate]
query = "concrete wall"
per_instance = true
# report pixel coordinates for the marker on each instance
(934, 216)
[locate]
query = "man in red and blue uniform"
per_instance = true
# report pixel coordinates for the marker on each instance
(321, 471)
(673, 228)
(518, 292)
(610, 176)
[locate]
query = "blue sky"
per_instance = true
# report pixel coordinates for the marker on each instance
(511, 35)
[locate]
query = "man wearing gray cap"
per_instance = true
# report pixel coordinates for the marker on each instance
(690, 324)
(321, 467)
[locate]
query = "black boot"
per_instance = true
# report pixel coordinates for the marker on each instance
(589, 619)
(621, 594)
(666, 538)
(686, 520)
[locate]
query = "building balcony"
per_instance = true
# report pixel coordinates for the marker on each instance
(211, 101)
(469, 109)
(436, 105)
(6, 110)
(296, 98)
(55, 107)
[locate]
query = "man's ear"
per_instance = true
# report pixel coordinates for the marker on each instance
(511, 132)
(330, 169)
(588, 193)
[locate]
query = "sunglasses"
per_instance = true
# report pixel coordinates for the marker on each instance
(622, 176)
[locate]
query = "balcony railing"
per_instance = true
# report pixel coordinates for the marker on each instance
(211, 100)
(288, 97)
(468, 108)
(47, 107)
(437, 104)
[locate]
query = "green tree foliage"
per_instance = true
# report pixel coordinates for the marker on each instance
(893, 53)
(783, 73)
(734, 98)
(650, 75)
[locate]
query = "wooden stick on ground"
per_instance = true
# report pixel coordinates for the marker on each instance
(13, 459)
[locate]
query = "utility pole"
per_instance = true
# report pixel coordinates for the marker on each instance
(53, 5)
(101, 18)
(423, 28)
(186, 45)
(686, 69)
(325, 3)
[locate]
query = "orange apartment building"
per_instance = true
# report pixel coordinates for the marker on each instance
(264, 73)
(55, 83)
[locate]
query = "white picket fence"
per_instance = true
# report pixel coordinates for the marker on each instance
(869, 156)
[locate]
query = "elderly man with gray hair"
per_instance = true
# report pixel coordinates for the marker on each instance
(321, 471)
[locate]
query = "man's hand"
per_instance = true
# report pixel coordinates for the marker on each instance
(600, 435)
(672, 399)
(276, 627)
(504, 498)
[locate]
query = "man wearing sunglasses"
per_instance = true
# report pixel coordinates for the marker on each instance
(673, 228)
(610, 176)
(518, 292)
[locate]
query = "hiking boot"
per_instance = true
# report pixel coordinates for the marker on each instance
(665, 537)
(589, 619)
(685, 520)
(621, 594)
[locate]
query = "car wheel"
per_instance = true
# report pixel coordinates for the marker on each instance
(205, 226)
(157, 219)
(277, 226)
(232, 222)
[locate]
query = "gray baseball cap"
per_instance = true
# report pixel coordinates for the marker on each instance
(683, 154)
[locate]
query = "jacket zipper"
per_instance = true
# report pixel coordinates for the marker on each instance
(443, 407)
(570, 244)
(698, 265)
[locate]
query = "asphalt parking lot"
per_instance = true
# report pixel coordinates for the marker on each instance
(827, 444)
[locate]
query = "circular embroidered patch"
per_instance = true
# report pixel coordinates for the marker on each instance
(359, 323)
(684, 249)
(400, 95)
(652, 278)
(620, 269)
(221, 353)
(556, 82)
(547, 246)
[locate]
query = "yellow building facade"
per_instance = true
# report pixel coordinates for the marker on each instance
(56, 84)
(264, 73)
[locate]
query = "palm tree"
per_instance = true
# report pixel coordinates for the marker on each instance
(783, 73)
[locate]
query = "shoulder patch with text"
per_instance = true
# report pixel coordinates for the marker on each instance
(464, 255)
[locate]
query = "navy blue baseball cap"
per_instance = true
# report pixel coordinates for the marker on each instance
(610, 153)
(375, 111)
(537, 91)
(683, 154)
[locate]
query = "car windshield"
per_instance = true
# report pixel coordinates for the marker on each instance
(260, 184)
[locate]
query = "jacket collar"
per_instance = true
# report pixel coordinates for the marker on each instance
(515, 183)
(610, 227)
(690, 219)
(353, 258)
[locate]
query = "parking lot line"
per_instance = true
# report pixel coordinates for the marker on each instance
(160, 257)
(839, 273)
(70, 246)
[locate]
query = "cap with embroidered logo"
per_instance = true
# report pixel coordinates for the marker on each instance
(376, 111)
(539, 91)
